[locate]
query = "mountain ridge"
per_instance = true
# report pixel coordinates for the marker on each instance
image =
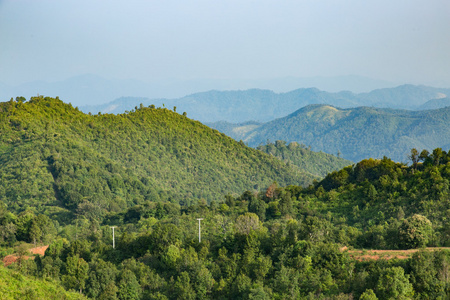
(264, 105)
(357, 133)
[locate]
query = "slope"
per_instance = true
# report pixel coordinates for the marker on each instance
(54, 158)
(358, 133)
(17, 286)
(317, 163)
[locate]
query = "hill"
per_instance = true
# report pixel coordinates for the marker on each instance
(54, 157)
(319, 163)
(436, 103)
(356, 133)
(265, 105)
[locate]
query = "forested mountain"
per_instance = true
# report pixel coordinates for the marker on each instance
(265, 105)
(54, 157)
(356, 133)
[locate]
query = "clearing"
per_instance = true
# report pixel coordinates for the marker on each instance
(362, 255)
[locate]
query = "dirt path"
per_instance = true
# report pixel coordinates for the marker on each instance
(9, 259)
(362, 255)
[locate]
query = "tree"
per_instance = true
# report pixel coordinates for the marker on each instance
(270, 192)
(109, 293)
(23, 224)
(257, 206)
(414, 157)
(424, 154)
(437, 156)
(285, 283)
(241, 287)
(171, 256)
(394, 284)
(285, 204)
(424, 276)
(368, 295)
(183, 288)
(163, 236)
(8, 233)
(102, 275)
(35, 232)
(415, 231)
(23, 250)
(246, 223)
(128, 286)
(77, 272)
(203, 282)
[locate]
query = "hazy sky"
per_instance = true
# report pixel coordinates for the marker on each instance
(394, 40)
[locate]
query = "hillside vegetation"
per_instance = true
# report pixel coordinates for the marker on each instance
(15, 285)
(356, 133)
(54, 158)
(281, 243)
(313, 162)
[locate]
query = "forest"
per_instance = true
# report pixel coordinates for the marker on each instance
(277, 240)
(356, 133)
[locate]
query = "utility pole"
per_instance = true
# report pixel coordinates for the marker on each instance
(199, 232)
(114, 245)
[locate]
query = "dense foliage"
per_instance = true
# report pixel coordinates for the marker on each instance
(15, 285)
(317, 163)
(55, 159)
(279, 243)
(356, 133)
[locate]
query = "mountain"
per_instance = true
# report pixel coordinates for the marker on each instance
(234, 106)
(87, 89)
(356, 133)
(58, 160)
(436, 103)
(265, 105)
(402, 97)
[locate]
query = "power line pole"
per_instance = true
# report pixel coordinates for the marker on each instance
(114, 245)
(199, 232)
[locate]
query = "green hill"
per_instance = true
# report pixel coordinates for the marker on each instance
(356, 133)
(318, 163)
(54, 157)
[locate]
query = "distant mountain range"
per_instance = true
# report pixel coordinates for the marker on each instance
(90, 89)
(354, 133)
(265, 105)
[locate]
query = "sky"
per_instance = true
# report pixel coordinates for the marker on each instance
(404, 41)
